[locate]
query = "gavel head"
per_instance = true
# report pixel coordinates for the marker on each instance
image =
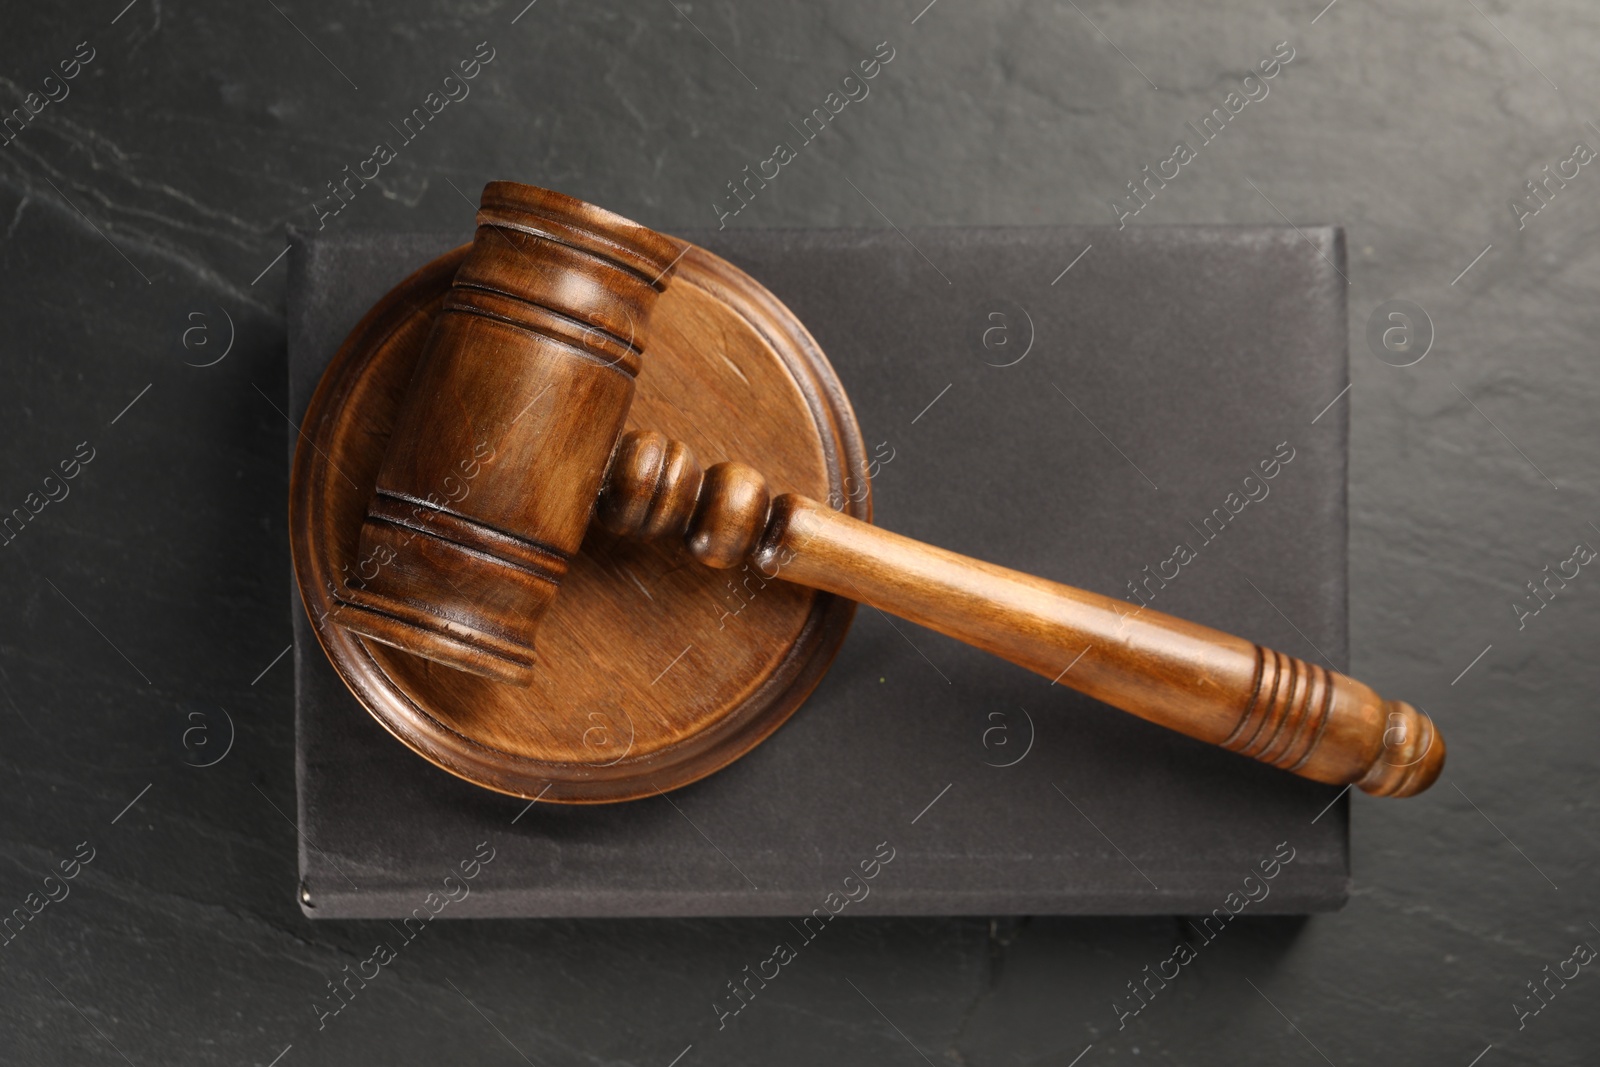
(499, 448)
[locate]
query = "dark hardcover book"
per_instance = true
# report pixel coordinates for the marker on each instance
(1091, 405)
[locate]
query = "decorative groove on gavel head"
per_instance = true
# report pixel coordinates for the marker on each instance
(499, 448)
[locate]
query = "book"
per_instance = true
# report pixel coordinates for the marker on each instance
(1093, 405)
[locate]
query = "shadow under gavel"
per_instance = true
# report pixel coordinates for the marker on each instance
(535, 352)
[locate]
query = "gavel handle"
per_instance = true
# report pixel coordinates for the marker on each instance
(1201, 682)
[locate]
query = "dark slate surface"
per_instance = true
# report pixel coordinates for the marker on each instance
(1200, 350)
(198, 132)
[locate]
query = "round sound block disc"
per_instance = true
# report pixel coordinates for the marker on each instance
(654, 671)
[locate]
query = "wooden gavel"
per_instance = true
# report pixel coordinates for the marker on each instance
(523, 388)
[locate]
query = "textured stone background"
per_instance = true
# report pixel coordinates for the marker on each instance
(160, 188)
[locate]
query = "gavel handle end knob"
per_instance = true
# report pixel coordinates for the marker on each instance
(1412, 756)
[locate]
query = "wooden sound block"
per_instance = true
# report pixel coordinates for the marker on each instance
(653, 671)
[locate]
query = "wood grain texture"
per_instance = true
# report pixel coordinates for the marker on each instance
(1201, 682)
(612, 713)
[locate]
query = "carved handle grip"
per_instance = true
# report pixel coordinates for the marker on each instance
(1201, 682)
